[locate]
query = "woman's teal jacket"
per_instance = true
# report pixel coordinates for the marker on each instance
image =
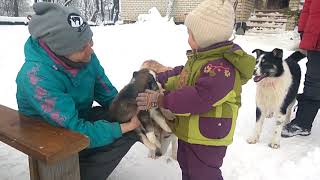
(49, 89)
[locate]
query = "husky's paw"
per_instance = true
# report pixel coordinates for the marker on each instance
(252, 140)
(274, 145)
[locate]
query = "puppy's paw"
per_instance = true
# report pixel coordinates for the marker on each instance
(174, 156)
(152, 154)
(170, 160)
(274, 145)
(153, 139)
(158, 152)
(167, 114)
(252, 140)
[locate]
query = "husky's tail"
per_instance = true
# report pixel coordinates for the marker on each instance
(296, 56)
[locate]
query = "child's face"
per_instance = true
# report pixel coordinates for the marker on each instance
(193, 44)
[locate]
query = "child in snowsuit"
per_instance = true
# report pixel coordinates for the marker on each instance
(205, 93)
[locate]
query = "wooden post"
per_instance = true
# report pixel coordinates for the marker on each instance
(33, 168)
(65, 169)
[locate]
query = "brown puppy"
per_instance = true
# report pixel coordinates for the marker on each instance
(124, 107)
(158, 68)
(154, 66)
(164, 137)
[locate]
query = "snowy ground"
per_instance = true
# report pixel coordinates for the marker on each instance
(121, 50)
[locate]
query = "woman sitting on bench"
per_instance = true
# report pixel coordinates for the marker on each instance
(59, 81)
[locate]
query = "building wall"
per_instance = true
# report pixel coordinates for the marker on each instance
(130, 9)
(182, 7)
(244, 9)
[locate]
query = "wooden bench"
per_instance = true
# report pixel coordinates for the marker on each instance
(52, 151)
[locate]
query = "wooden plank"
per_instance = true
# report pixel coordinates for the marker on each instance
(37, 138)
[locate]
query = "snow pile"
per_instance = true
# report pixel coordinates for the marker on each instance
(153, 16)
(121, 50)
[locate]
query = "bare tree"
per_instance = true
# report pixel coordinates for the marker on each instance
(170, 4)
(15, 8)
(95, 14)
(86, 7)
(102, 10)
(67, 2)
(6, 8)
(115, 11)
(86, 10)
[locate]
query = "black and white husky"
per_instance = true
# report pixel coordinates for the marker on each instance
(277, 83)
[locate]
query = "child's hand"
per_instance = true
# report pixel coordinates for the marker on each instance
(149, 99)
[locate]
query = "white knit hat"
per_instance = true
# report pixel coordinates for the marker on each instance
(211, 22)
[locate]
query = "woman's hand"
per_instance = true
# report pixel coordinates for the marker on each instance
(130, 125)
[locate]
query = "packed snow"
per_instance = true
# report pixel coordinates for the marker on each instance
(121, 50)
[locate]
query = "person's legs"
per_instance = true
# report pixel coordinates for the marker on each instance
(308, 101)
(183, 160)
(98, 163)
(312, 78)
(200, 161)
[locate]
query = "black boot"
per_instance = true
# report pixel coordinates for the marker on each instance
(302, 124)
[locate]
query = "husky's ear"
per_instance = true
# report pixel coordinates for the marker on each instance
(258, 51)
(277, 53)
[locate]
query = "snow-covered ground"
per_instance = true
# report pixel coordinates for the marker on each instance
(122, 49)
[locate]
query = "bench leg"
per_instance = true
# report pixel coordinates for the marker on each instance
(66, 169)
(33, 169)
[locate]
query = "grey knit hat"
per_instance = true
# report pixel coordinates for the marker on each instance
(62, 28)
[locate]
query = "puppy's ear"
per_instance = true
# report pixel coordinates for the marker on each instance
(135, 74)
(258, 52)
(277, 53)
